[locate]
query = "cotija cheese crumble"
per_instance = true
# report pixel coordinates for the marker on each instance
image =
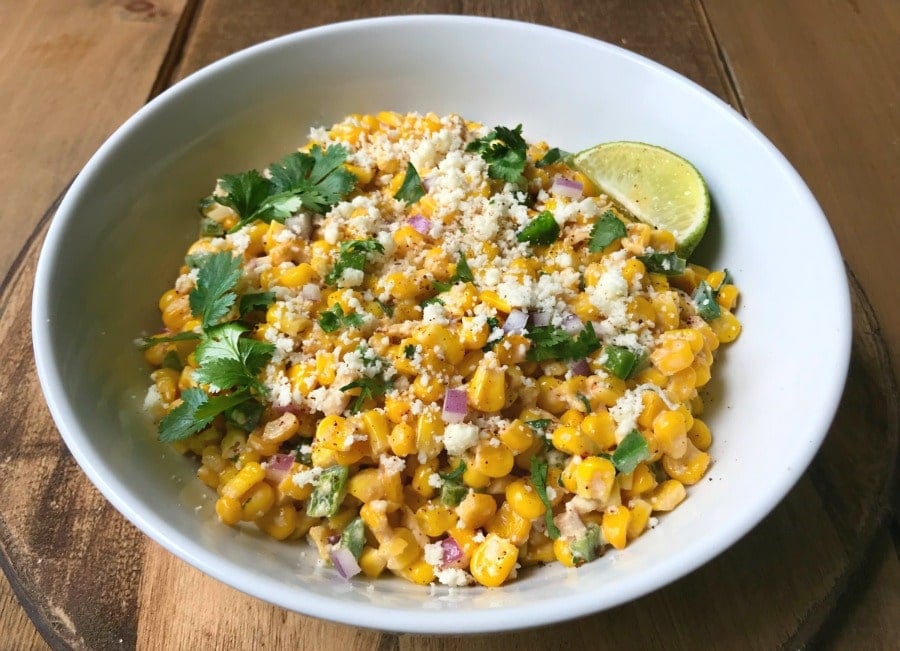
(437, 351)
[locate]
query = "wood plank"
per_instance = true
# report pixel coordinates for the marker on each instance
(791, 59)
(72, 72)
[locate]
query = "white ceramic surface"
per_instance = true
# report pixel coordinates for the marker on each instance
(125, 223)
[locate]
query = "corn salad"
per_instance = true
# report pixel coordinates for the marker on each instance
(465, 362)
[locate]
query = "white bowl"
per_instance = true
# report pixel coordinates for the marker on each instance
(125, 223)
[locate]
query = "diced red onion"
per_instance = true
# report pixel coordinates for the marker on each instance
(515, 322)
(344, 562)
(278, 466)
(540, 318)
(311, 291)
(333, 539)
(572, 324)
(284, 409)
(563, 187)
(456, 405)
(420, 223)
(427, 182)
(581, 367)
(452, 552)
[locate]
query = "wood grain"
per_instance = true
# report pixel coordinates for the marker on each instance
(71, 73)
(143, 597)
(820, 79)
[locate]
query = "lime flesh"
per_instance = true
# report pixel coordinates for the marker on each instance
(654, 185)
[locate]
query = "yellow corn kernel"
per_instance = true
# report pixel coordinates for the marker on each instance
(524, 499)
(229, 510)
(727, 296)
(606, 390)
(428, 387)
(584, 309)
(640, 511)
(371, 562)
(493, 561)
(492, 298)
(563, 552)
(176, 313)
(400, 286)
(396, 409)
(420, 480)
(335, 433)
(666, 496)
(672, 356)
(474, 478)
(615, 526)
(600, 427)
(434, 519)
(702, 373)
(288, 489)
(420, 572)
(642, 479)
(493, 461)
(487, 389)
(250, 474)
(439, 339)
(402, 549)
(508, 524)
(365, 485)
(518, 437)
(406, 237)
(551, 395)
(571, 417)
(166, 380)
(208, 476)
(681, 385)
(403, 439)
(302, 377)
(476, 510)
(375, 426)
(726, 327)
(670, 429)
(429, 430)
(363, 174)
(594, 478)
(320, 253)
(571, 441)
(633, 268)
(700, 435)
(279, 522)
(257, 501)
(473, 333)
(690, 468)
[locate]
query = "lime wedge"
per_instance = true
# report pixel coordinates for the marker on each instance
(654, 185)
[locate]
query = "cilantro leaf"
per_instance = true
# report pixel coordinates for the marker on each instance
(630, 452)
(453, 491)
(550, 157)
(352, 255)
(244, 193)
(371, 387)
(409, 351)
(258, 301)
(504, 150)
(539, 479)
(550, 342)
(318, 179)
(540, 231)
(213, 296)
(331, 320)
(195, 413)
(412, 189)
(538, 424)
(227, 360)
(607, 229)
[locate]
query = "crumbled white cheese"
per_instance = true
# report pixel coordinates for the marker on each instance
(459, 437)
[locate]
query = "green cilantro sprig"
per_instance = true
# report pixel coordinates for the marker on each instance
(331, 320)
(195, 413)
(607, 229)
(412, 189)
(504, 150)
(539, 480)
(226, 360)
(550, 342)
(352, 255)
(453, 490)
(214, 295)
(370, 387)
(552, 156)
(314, 181)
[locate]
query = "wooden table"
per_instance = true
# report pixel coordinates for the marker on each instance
(819, 78)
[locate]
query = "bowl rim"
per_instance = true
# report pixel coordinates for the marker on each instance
(377, 617)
